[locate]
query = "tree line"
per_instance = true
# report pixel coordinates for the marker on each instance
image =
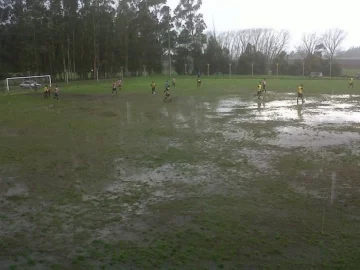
(90, 37)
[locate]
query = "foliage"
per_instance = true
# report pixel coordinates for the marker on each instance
(251, 57)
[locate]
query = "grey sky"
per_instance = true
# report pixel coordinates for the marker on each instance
(297, 16)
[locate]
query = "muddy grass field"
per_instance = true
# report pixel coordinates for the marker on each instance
(213, 180)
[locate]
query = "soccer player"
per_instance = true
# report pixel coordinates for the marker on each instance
(46, 90)
(351, 83)
(166, 84)
(56, 95)
(264, 85)
(119, 83)
(198, 74)
(153, 87)
(167, 93)
(198, 82)
(173, 82)
(114, 88)
(300, 93)
(259, 90)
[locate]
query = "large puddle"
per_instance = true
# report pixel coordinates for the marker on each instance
(342, 110)
(312, 124)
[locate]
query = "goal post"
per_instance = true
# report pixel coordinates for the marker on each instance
(27, 81)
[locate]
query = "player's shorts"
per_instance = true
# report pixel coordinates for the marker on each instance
(114, 89)
(351, 84)
(300, 95)
(264, 87)
(153, 89)
(167, 94)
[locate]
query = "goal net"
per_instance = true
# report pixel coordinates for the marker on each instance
(26, 84)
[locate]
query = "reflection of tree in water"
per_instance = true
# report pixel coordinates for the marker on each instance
(260, 103)
(300, 112)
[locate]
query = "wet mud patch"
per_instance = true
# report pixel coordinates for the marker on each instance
(304, 137)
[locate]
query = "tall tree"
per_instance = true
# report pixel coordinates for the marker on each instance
(190, 24)
(331, 41)
(308, 48)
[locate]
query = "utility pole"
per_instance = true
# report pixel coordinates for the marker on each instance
(252, 69)
(208, 65)
(185, 69)
(277, 70)
(229, 69)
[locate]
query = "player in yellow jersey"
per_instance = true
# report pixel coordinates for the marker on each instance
(173, 82)
(153, 87)
(259, 90)
(300, 93)
(46, 90)
(351, 83)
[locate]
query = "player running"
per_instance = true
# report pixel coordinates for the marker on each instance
(167, 93)
(153, 87)
(259, 90)
(114, 90)
(56, 95)
(300, 93)
(46, 90)
(198, 82)
(351, 83)
(120, 84)
(264, 85)
(173, 82)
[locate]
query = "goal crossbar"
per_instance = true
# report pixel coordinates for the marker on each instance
(26, 77)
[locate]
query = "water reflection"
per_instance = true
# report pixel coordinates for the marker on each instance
(300, 112)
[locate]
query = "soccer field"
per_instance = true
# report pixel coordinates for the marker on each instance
(215, 179)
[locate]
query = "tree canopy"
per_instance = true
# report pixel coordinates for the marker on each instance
(84, 37)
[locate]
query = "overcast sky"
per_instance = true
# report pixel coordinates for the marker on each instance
(296, 16)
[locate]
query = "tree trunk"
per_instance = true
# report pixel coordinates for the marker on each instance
(64, 62)
(95, 52)
(330, 67)
(68, 54)
(126, 50)
(35, 52)
(74, 52)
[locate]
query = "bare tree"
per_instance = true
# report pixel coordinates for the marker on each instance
(267, 41)
(308, 46)
(332, 40)
(309, 43)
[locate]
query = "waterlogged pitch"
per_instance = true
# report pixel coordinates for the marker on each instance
(216, 179)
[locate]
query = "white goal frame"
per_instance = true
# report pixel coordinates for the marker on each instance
(26, 77)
